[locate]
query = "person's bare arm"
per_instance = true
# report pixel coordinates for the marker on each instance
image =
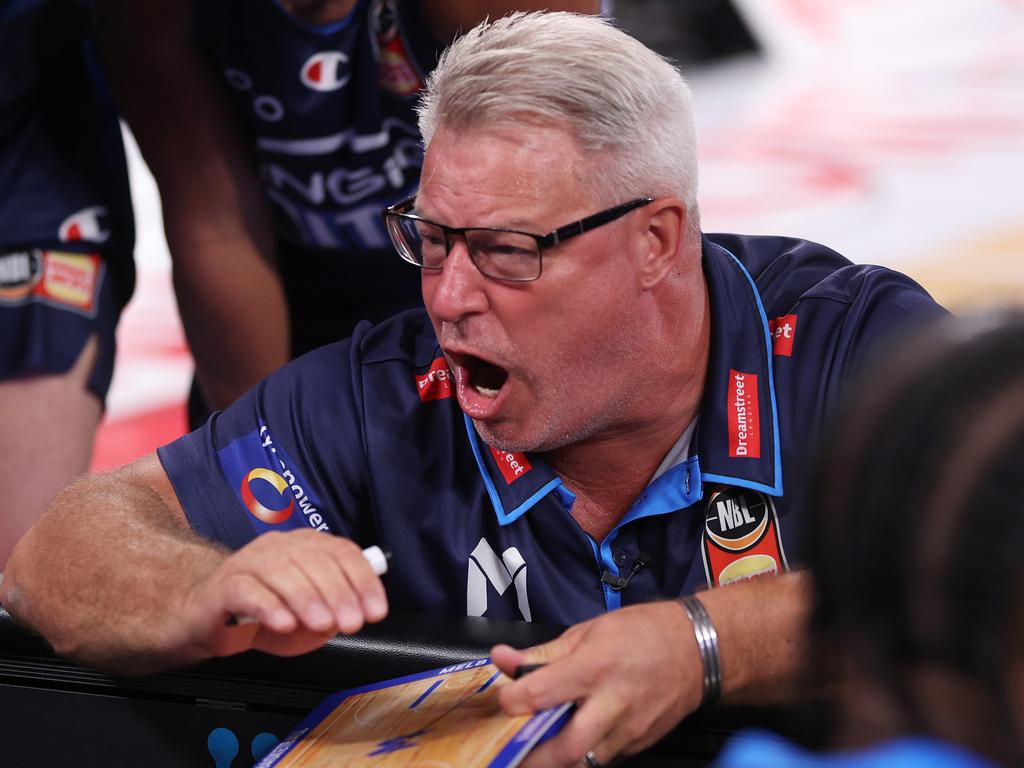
(636, 672)
(450, 17)
(216, 218)
(112, 576)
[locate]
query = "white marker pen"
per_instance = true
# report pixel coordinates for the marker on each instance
(378, 559)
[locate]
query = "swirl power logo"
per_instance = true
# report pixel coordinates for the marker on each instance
(268, 485)
(259, 479)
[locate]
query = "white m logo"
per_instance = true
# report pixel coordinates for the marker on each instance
(485, 567)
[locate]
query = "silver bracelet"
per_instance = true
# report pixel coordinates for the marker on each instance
(707, 646)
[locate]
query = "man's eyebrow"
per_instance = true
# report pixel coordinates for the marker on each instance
(521, 225)
(421, 210)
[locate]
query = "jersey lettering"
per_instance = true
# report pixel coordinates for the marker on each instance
(340, 207)
(436, 383)
(783, 331)
(744, 416)
(733, 513)
(486, 568)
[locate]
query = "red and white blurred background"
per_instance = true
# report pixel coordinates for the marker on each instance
(891, 131)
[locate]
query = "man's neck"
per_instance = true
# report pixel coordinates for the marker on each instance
(609, 472)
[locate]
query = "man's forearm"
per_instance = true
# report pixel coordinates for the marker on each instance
(628, 700)
(104, 574)
(762, 635)
(217, 221)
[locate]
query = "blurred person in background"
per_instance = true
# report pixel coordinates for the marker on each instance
(919, 580)
(277, 131)
(66, 239)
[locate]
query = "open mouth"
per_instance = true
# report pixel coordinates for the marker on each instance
(482, 376)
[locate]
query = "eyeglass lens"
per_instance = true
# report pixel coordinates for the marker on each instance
(501, 255)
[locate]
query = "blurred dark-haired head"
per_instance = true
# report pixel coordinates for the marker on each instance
(918, 544)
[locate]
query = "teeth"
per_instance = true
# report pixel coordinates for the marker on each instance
(486, 392)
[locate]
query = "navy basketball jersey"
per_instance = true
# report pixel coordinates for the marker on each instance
(328, 111)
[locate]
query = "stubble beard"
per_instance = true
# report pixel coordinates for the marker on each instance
(555, 430)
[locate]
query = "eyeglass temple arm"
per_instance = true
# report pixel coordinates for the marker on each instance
(593, 222)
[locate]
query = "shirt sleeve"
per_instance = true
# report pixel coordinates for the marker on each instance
(289, 454)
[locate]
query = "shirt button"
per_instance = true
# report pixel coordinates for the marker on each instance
(622, 557)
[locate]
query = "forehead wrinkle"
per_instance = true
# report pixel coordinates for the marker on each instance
(501, 177)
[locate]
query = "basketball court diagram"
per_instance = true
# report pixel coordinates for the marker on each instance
(447, 718)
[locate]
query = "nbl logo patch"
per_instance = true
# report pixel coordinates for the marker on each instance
(20, 272)
(64, 280)
(742, 539)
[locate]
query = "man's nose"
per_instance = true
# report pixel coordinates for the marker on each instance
(457, 289)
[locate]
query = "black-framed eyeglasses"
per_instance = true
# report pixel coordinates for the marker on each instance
(502, 254)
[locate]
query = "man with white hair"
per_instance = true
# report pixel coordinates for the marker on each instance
(595, 411)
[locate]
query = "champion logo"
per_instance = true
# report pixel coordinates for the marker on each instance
(436, 383)
(512, 465)
(783, 331)
(87, 225)
(744, 416)
(325, 71)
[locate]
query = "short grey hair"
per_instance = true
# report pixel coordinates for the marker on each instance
(621, 100)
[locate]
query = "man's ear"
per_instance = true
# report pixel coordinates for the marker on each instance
(664, 220)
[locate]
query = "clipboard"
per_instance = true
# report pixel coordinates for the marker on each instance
(444, 718)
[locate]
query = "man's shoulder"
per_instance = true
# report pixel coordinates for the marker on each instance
(789, 270)
(759, 252)
(361, 387)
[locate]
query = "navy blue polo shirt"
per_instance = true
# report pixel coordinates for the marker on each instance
(364, 438)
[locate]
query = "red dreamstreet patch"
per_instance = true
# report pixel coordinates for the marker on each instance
(512, 465)
(436, 383)
(744, 416)
(783, 330)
